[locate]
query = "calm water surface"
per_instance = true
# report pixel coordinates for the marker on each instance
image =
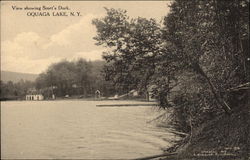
(79, 129)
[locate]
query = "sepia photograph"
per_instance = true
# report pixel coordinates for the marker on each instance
(125, 80)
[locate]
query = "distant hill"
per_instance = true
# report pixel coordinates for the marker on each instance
(16, 76)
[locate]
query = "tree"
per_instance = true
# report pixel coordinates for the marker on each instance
(133, 46)
(199, 41)
(83, 76)
(16, 90)
(206, 48)
(78, 77)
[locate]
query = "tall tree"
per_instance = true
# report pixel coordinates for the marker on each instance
(206, 36)
(206, 47)
(133, 45)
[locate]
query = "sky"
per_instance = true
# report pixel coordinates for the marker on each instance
(29, 44)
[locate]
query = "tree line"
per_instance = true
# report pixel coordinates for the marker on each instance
(11, 90)
(74, 78)
(79, 78)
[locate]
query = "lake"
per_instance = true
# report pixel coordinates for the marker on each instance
(75, 129)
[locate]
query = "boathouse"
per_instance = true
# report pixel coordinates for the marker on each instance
(34, 95)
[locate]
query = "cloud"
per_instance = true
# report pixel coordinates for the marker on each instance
(27, 44)
(76, 37)
(29, 49)
(25, 65)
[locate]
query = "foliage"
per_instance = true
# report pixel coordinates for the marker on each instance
(10, 90)
(79, 77)
(192, 62)
(74, 78)
(133, 45)
(210, 47)
(208, 42)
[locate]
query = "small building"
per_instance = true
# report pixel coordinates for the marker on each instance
(33, 95)
(97, 94)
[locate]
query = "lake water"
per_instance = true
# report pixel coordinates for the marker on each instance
(79, 130)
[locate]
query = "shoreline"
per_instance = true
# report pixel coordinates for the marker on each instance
(82, 99)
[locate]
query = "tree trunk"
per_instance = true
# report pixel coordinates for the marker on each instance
(217, 96)
(147, 96)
